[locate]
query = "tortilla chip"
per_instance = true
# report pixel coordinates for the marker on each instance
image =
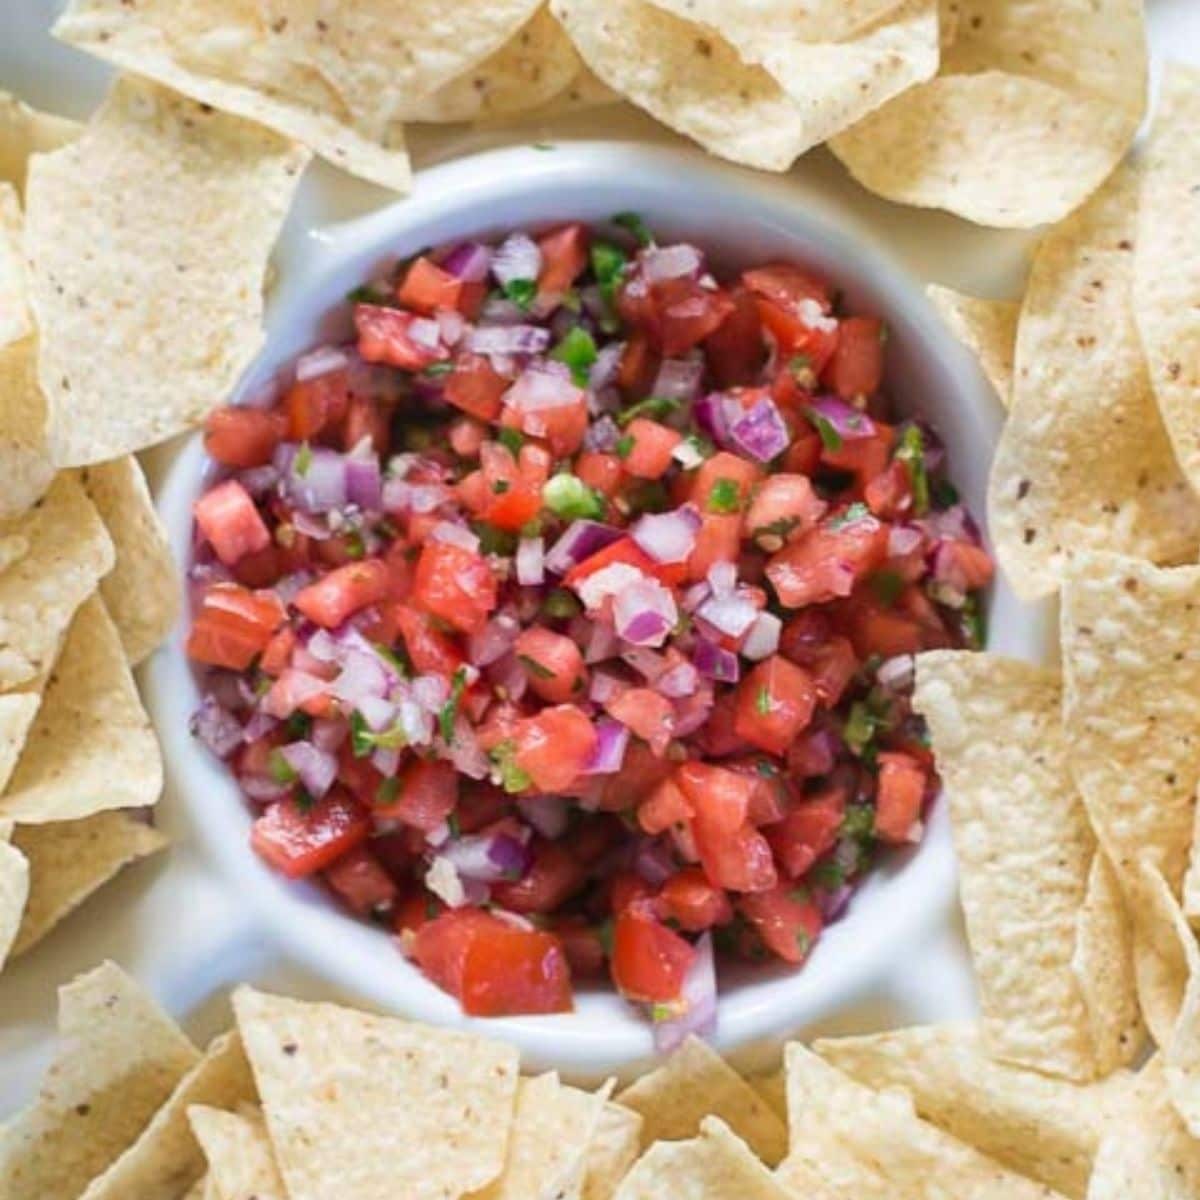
(240, 1160)
(1151, 1156)
(1025, 851)
(14, 314)
(881, 1130)
(143, 591)
(127, 295)
(14, 889)
(1034, 106)
(988, 328)
(549, 1143)
(696, 1082)
(119, 1058)
(1166, 285)
(1038, 1126)
(809, 20)
(1181, 1058)
(25, 467)
(17, 712)
(69, 551)
(166, 1158)
(403, 1110)
(534, 66)
(1130, 644)
(1102, 967)
(92, 747)
(773, 1089)
(616, 1144)
(1084, 462)
(24, 132)
(70, 860)
(762, 101)
(715, 1165)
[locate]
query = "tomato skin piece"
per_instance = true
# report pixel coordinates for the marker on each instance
(807, 832)
(693, 902)
(899, 797)
(776, 702)
(426, 796)
(649, 961)
(718, 796)
(553, 664)
(243, 437)
(786, 284)
(783, 508)
(648, 714)
(601, 472)
(552, 879)
(314, 405)
(512, 972)
(866, 458)
(229, 521)
(361, 883)
(384, 337)
(665, 806)
(299, 843)
(735, 350)
(719, 539)
(278, 652)
(724, 467)
(856, 368)
(234, 626)
(787, 921)
(554, 747)
(627, 551)
(827, 562)
(440, 945)
(431, 651)
(476, 387)
(564, 257)
(650, 455)
(686, 313)
(638, 367)
(337, 596)
(428, 287)
(456, 585)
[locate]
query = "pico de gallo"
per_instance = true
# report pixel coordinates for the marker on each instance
(561, 619)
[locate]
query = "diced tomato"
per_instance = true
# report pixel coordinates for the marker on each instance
(691, 900)
(601, 472)
(720, 796)
(687, 312)
(648, 714)
(234, 626)
(831, 664)
(553, 664)
(665, 806)
(828, 561)
(877, 628)
(899, 797)
(964, 565)
(361, 883)
(720, 472)
(649, 961)
(807, 832)
(627, 551)
(385, 336)
(343, 592)
(803, 456)
(641, 772)
(229, 521)
(563, 426)
(787, 284)
(466, 436)
(554, 747)
(638, 368)
(431, 652)
(889, 495)
(475, 387)
(775, 702)
(782, 508)
(794, 306)
(651, 446)
(864, 458)
(366, 420)
(428, 287)
(856, 368)
(317, 404)
(735, 350)
(455, 585)
(734, 854)
(278, 652)
(299, 841)
(243, 437)
(440, 945)
(427, 792)
(583, 945)
(718, 540)
(786, 919)
(514, 972)
(564, 256)
(552, 879)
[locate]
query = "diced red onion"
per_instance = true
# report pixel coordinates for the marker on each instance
(508, 673)
(531, 556)
(451, 326)
(377, 712)
(488, 859)
(954, 524)
(722, 578)
(687, 454)
(603, 372)
(549, 815)
(415, 721)
(681, 261)
(321, 361)
(731, 613)
(364, 483)
(581, 540)
(697, 1001)
(653, 861)
(259, 480)
(431, 692)
(681, 680)
(508, 339)
(494, 640)
(455, 535)
(850, 423)
(709, 413)
(426, 332)
(468, 261)
(833, 905)
(465, 752)
(696, 596)
(716, 662)
(290, 691)
(602, 643)
(386, 760)
(612, 740)
(897, 673)
(263, 789)
(328, 734)
(602, 435)
(679, 378)
(317, 770)
(647, 663)
(401, 496)
(363, 676)
(259, 725)
(904, 540)
(762, 639)
(311, 525)
(291, 585)
(605, 686)
(761, 432)
(518, 258)
(216, 727)
(668, 537)
(644, 612)
(322, 486)
(541, 387)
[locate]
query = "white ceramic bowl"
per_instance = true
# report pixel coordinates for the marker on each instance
(740, 219)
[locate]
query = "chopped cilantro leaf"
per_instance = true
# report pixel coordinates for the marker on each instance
(298, 726)
(856, 512)
(974, 623)
(887, 586)
(521, 292)
(500, 487)
(493, 540)
(303, 460)
(624, 447)
(860, 728)
(608, 265)
(543, 145)
(605, 936)
(454, 825)
(724, 497)
(449, 711)
(763, 702)
(560, 605)
(354, 544)
(578, 351)
(387, 791)
(632, 223)
(512, 777)
(304, 799)
(437, 370)
(858, 822)
(280, 769)
(830, 438)
(534, 667)
(511, 439)
(829, 875)
(942, 493)
(566, 495)
(653, 407)
(911, 452)
(777, 529)
(362, 740)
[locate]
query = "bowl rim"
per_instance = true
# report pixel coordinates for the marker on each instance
(468, 195)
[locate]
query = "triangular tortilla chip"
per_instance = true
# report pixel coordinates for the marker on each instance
(143, 592)
(616, 1144)
(170, 288)
(14, 889)
(15, 322)
(404, 1110)
(988, 328)
(240, 1160)
(166, 1158)
(23, 132)
(17, 711)
(69, 860)
(1084, 462)
(92, 747)
(119, 1057)
(694, 1083)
